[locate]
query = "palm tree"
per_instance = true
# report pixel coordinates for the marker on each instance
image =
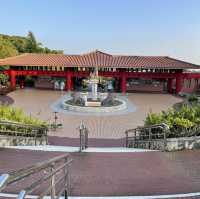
(32, 45)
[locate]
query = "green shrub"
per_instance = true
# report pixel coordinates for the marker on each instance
(182, 122)
(192, 98)
(3, 79)
(9, 113)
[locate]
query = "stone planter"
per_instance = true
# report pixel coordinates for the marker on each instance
(6, 141)
(174, 144)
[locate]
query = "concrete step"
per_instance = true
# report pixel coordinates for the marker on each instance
(76, 149)
(177, 196)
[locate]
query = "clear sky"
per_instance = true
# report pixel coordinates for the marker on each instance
(137, 27)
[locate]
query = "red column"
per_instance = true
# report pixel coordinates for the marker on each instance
(169, 85)
(116, 84)
(123, 83)
(72, 83)
(68, 85)
(13, 79)
(178, 83)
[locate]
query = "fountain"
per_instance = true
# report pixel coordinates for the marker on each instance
(94, 83)
(94, 101)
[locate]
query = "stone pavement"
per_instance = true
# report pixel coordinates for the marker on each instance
(38, 102)
(124, 174)
(107, 174)
(93, 142)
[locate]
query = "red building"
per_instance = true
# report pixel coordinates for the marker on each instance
(129, 73)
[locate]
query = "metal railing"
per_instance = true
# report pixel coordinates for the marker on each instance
(149, 137)
(53, 167)
(83, 135)
(17, 129)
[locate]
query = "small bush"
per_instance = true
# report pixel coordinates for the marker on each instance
(9, 113)
(182, 122)
(3, 79)
(192, 98)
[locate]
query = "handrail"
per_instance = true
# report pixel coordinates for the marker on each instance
(139, 136)
(16, 176)
(162, 126)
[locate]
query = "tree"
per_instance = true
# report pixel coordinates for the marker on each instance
(32, 45)
(13, 45)
(19, 43)
(6, 48)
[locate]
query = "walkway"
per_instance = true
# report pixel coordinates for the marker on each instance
(127, 174)
(93, 142)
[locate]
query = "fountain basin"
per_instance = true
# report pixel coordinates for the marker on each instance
(121, 105)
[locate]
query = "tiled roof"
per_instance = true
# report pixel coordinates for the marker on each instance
(97, 58)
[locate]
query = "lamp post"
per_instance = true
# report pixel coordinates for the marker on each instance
(55, 120)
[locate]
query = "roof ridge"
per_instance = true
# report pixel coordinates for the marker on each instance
(95, 52)
(120, 55)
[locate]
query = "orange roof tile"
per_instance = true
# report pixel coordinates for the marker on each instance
(97, 59)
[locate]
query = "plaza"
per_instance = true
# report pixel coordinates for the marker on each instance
(38, 103)
(106, 161)
(100, 99)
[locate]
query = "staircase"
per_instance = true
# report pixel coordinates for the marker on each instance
(43, 176)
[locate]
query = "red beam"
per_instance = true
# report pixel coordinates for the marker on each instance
(191, 75)
(105, 74)
(80, 74)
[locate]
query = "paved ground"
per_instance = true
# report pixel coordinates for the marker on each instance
(93, 142)
(37, 103)
(115, 174)
(6, 100)
(150, 173)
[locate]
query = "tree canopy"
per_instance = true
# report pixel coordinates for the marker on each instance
(7, 49)
(14, 45)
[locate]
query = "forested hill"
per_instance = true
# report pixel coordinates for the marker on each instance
(15, 45)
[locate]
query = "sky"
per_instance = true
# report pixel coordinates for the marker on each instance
(125, 27)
